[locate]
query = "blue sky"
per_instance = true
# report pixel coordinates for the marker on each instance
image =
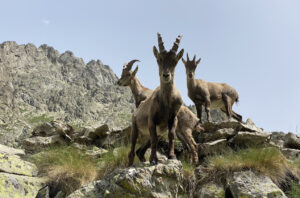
(254, 46)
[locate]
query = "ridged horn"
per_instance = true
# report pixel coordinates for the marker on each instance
(160, 43)
(176, 43)
(129, 65)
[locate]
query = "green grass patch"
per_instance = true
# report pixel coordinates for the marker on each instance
(268, 161)
(115, 158)
(35, 120)
(187, 168)
(66, 167)
(295, 191)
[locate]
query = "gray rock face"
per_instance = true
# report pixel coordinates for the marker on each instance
(277, 138)
(40, 84)
(245, 139)
(249, 184)
(210, 148)
(162, 180)
(292, 141)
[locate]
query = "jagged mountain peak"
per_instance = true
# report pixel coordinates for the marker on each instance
(41, 81)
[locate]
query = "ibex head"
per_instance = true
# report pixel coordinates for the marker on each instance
(127, 74)
(167, 60)
(190, 65)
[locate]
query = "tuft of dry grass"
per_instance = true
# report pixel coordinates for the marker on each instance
(268, 161)
(66, 167)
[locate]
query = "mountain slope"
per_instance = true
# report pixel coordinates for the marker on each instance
(39, 84)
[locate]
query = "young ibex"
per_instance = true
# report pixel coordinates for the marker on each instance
(187, 121)
(158, 112)
(210, 94)
(128, 78)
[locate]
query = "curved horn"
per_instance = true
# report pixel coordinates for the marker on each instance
(160, 43)
(176, 43)
(128, 66)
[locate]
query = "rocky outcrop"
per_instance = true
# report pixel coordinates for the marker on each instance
(248, 184)
(40, 84)
(162, 180)
(292, 141)
(18, 178)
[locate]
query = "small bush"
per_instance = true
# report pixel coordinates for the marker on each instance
(268, 161)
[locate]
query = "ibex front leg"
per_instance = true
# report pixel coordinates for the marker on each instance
(152, 129)
(207, 108)
(172, 128)
(199, 111)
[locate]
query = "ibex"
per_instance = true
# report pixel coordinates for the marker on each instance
(158, 112)
(187, 121)
(128, 78)
(210, 94)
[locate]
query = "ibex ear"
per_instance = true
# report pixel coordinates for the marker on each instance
(180, 54)
(135, 70)
(198, 61)
(155, 52)
(184, 62)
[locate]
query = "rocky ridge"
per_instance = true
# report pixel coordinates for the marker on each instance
(167, 178)
(40, 84)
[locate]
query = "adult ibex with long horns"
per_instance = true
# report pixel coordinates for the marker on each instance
(209, 94)
(187, 120)
(158, 112)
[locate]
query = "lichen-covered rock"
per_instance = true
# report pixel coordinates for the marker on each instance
(244, 139)
(103, 136)
(16, 186)
(292, 141)
(15, 165)
(277, 138)
(249, 126)
(210, 148)
(223, 133)
(162, 180)
(54, 128)
(209, 190)
(37, 143)
(247, 184)
(11, 151)
(291, 154)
